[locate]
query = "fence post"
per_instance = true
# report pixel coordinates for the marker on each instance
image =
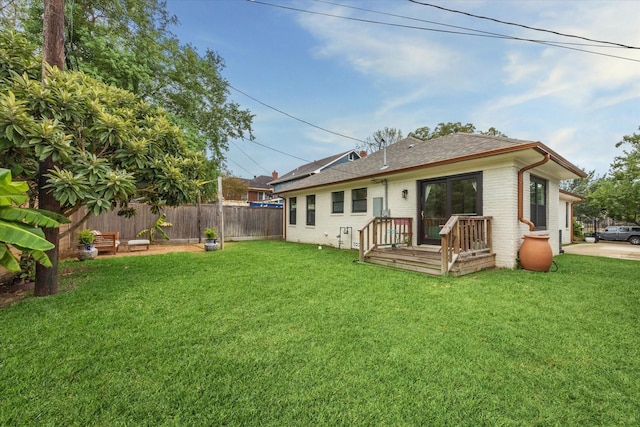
(220, 212)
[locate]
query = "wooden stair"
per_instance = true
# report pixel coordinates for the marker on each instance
(428, 260)
(411, 258)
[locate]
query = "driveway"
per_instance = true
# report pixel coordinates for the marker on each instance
(622, 250)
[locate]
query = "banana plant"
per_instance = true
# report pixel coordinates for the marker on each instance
(21, 228)
(157, 227)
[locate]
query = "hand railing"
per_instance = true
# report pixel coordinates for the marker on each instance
(385, 232)
(464, 235)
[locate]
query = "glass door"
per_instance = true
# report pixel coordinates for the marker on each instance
(433, 211)
(440, 198)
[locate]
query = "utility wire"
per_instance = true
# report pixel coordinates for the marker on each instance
(279, 151)
(239, 165)
(315, 162)
(294, 117)
(413, 27)
(250, 158)
(523, 26)
(449, 25)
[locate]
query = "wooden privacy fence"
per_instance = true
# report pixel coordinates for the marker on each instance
(240, 223)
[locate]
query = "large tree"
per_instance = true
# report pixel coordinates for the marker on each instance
(443, 129)
(619, 192)
(107, 146)
(584, 187)
(129, 44)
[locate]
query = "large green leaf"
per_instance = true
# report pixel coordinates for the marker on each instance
(25, 236)
(8, 187)
(39, 256)
(11, 192)
(8, 260)
(61, 219)
(33, 217)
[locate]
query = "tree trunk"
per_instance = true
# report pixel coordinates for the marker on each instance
(52, 54)
(53, 35)
(47, 277)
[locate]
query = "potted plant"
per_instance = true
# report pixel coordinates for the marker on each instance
(86, 250)
(212, 239)
(590, 237)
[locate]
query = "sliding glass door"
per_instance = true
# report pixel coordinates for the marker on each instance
(442, 197)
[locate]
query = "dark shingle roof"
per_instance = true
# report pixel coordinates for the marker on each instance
(260, 182)
(309, 168)
(410, 153)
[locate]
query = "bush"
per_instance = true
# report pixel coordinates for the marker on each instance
(211, 233)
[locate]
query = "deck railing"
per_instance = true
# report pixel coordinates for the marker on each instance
(464, 235)
(385, 232)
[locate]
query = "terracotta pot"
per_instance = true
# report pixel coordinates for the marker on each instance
(536, 253)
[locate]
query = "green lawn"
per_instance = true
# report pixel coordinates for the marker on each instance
(281, 334)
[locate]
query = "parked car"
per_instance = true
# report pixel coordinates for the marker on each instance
(630, 234)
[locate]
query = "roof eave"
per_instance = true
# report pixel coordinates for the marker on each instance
(538, 146)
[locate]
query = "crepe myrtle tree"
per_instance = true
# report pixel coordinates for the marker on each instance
(108, 146)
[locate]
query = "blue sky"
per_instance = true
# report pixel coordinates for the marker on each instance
(354, 78)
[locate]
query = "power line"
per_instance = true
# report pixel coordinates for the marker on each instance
(315, 162)
(239, 165)
(523, 26)
(448, 25)
(279, 151)
(250, 158)
(476, 33)
(294, 117)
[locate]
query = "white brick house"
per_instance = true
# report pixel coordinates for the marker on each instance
(428, 182)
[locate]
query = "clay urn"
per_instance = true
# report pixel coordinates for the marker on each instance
(535, 253)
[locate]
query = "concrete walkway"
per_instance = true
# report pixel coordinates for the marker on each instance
(623, 250)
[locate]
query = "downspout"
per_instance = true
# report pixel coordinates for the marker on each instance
(285, 212)
(573, 238)
(521, 172)
(386, 195)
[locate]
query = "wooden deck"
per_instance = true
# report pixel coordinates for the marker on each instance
(428, 260)
(465, 246)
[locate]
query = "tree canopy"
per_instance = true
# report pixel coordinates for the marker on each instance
(618, 193)
(234, 188)
(110, 146)
(443, 129)
(129, 44)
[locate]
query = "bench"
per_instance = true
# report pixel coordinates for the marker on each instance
(138, 242)
(106, 241)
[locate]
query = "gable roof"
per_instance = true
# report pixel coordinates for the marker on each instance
(311, 168)
(260, 183)
(413, 153)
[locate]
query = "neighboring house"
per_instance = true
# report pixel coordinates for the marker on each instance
(313, 168)
(478, 194)
(259, 188)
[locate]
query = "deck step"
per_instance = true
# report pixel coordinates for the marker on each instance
(411, 258)
(427, 260)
